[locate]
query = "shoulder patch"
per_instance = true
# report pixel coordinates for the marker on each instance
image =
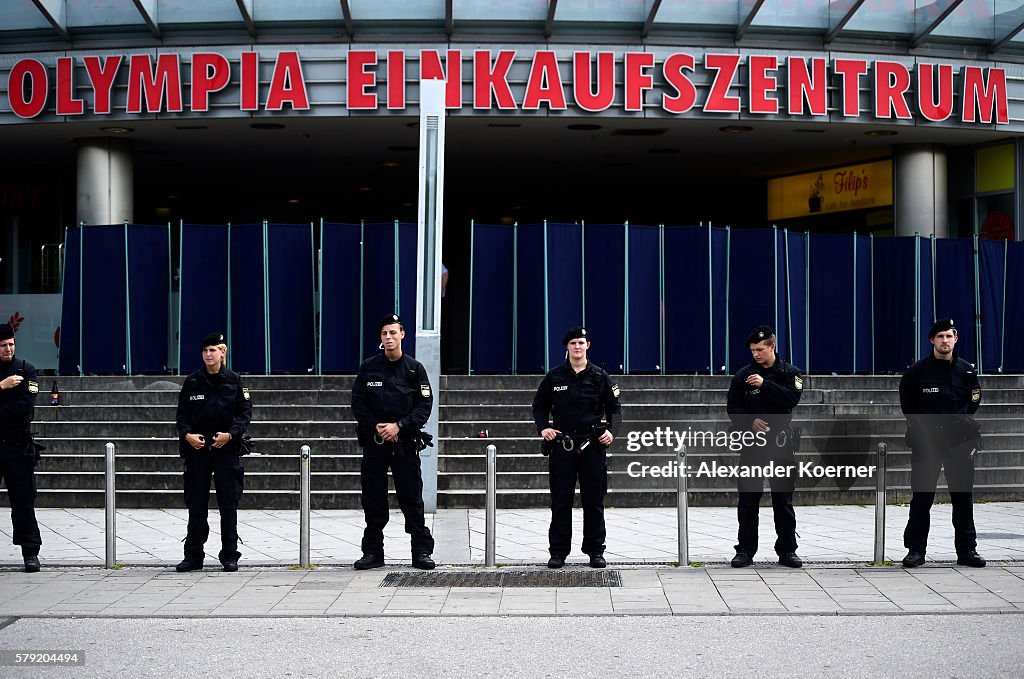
(33, 387)
(245, 393)
(798, 382)
(615, 390)
(976, 395)
(425, 390)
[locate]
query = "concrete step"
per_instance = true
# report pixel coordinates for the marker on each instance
(167, 413)
(260, 397)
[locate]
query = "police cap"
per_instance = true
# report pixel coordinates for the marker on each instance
(941, 325)
(390, 319)
(577, 331)
(6, 332)
(760, 334)
(213, 339)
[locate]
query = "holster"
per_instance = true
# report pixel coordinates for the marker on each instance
(33, 450)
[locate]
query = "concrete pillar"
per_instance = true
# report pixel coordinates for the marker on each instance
(105, 194)
(920, 190)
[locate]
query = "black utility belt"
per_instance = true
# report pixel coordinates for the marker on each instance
(573, 443)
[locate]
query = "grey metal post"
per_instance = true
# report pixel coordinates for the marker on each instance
(111, 532)
(681, 510)
(880, 505)
(304, 506)
(490, 504)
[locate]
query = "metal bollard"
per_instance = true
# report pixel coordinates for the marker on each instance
(304, 506)
(490, 504)
(681, 510)
(880, 504)
(111, 532)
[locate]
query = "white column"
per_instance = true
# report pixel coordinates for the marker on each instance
(105, 175)
(920, 190)
(428, 266)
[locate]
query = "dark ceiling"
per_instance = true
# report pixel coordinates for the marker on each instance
(521, 168)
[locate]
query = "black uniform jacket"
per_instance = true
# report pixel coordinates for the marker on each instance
(773, 401)
(215, 403)
(941, 396)
(392, 391)
(576, 401)
(17, 404)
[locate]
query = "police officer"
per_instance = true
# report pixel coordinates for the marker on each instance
(214, 410)
(391, 401)
(577, 395)
(761, 399)
(18, 388)
(938, 395)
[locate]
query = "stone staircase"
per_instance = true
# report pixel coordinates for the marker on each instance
(843, 420)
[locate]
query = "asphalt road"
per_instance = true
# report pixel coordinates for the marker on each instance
(707, 646)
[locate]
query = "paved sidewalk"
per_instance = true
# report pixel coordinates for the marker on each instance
(836, 542)
(827, 534)
(335, 591)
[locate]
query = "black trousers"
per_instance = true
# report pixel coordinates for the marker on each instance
(924, 476)
(226, 469)
(16, 472)
(748, 507)
(564, 469)
(404, 463)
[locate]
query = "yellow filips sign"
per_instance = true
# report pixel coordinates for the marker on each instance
(854, 187)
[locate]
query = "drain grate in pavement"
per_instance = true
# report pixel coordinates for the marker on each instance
(505, 579)
(1000, 536)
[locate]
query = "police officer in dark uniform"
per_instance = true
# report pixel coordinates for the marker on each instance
(939, 395)
(214, 411)
(18, 388)
(577, 395)
(762, 396)
(391, 401)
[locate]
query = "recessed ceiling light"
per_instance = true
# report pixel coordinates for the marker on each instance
(880, 133)
(583, 127)
(364, 189)
(736, 128)
(391, 163)
(293, 201)
(267, 126)
(117, 130)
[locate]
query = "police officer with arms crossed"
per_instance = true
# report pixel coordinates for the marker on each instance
(391, 401)
(577, 394)
(939, 395)
(18, 388)
(762, 396)
(214, 410)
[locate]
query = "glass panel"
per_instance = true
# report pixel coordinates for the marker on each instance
(883, 16)
(972, 19)
(103, 13)
(500, 10)
(791, 14)
(20, 15)
(592, 11)
(297, 10)
(190, 12)
(377, 10)
(698, 13)
(1008, 16)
